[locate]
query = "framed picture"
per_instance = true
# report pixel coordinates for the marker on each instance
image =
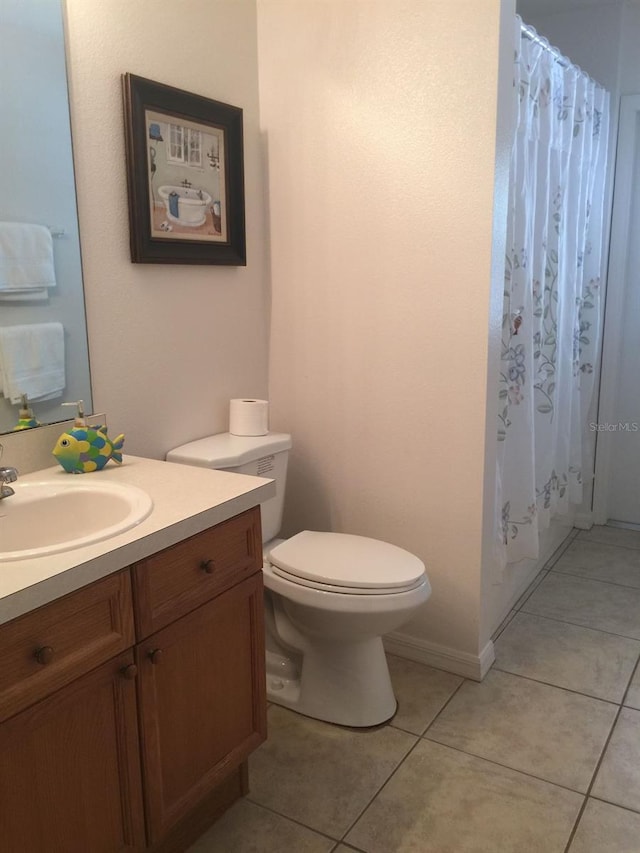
(185, 176)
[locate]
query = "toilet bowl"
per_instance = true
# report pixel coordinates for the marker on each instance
(329, 597)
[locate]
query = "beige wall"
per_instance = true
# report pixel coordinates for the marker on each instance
(379, 147)
(380, 124)
(169, 344)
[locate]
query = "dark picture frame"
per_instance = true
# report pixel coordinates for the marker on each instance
(185, 176)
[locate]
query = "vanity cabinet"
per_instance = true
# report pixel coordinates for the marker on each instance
(202, 694)
(69, 766)
(128, 708)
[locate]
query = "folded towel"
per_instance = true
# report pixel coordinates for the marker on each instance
(27, 294)
(26, 260)
(32, 361)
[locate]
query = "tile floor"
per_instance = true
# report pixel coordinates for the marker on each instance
(543, 756)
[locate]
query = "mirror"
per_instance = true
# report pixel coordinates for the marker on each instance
(37, 187)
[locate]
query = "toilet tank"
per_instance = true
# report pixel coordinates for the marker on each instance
(259, 455)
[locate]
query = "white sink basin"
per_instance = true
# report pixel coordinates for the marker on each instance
(50, 516)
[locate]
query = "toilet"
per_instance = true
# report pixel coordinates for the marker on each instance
(329, 597)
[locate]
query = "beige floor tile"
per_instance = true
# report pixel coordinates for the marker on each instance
(443, 801)
(601, 562)
(248, 828)
(611, 536)
(604, 828)
(593, 604)
(323, 775)
(633, 695)
(568, 656)
(548, 732)
(421, 692)
(618, 779)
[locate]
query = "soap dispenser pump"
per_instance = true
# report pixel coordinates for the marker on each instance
(83, 448)
(80, 420)
(27, 419)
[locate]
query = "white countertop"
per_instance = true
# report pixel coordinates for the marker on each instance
(186, 500)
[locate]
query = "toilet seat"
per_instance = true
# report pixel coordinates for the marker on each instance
(342, 562)
(345, 590)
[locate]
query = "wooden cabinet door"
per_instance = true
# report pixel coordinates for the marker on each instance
(202, 701)
(70, 769)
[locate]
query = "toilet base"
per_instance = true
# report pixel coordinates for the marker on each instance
(335, 681)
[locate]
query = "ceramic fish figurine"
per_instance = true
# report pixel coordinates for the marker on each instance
(87, 448)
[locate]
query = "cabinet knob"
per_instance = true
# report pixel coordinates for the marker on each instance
(207, 566)
(44, 654)
(155, 655)
(129, 672)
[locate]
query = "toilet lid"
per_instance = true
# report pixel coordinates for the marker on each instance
(344, 560)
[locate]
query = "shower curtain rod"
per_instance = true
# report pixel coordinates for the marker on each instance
(529, 33)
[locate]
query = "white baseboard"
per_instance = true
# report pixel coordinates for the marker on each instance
(462, 663)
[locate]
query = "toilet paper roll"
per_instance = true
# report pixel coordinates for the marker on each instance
(248, 417)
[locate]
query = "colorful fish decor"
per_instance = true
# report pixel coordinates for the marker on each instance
(83, 449)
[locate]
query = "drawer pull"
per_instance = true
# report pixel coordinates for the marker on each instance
(155, 656)
(129, 672)
(207, 566)
(44, 655)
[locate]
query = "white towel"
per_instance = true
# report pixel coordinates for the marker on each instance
(32, 361)
(26, 261)
(26, 294)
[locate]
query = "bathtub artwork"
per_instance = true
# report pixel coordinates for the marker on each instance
(185, 176)
(187, 206)
(186, 183)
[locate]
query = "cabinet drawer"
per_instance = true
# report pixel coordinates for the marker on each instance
(170, 584)
(51, 646)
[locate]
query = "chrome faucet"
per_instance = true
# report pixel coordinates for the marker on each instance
(7, 475)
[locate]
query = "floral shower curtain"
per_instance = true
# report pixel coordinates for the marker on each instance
(551, 318)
